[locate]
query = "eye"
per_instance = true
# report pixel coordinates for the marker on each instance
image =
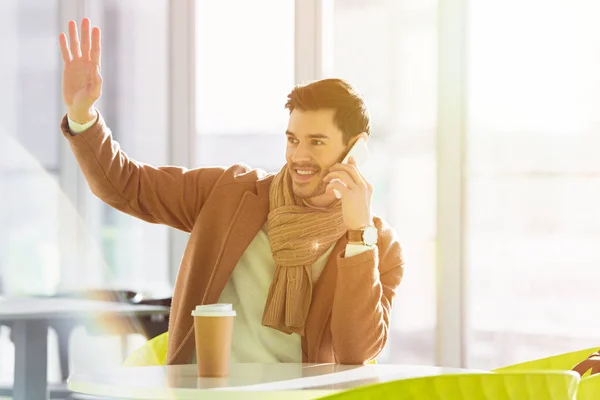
(292, 140)
(318, 142)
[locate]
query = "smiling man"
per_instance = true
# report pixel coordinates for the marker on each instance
(312, 277)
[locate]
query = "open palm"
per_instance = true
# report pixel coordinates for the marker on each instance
(82, 82)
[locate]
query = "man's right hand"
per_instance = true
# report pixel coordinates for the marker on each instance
(82, 83)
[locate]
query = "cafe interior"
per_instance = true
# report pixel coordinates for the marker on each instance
(483, 159)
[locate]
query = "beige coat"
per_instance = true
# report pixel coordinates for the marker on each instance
(223, 210)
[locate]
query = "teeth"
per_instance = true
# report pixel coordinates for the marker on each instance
(304, 172)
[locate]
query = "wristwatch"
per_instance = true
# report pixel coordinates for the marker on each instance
(366, 236)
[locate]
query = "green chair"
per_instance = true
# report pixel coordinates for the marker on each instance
(589, 388)
(534, 385)
(154, 352)
(561, 362)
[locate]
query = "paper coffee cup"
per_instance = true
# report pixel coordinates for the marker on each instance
(213, 329)
(214, 310)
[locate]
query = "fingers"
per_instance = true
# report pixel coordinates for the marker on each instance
(339, 187)
(95, 50)
(90, 43)
(342, 176)
(351, 170)
(85, 38)
(74, 40)
(64, 48)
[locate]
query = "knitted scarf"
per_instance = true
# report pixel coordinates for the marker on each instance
(298, 235)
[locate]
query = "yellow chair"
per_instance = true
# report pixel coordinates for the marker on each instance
(534, 385)
(562, 362)
(154, 352)
(589, 388)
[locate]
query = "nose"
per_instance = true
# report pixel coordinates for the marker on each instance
(301, 153)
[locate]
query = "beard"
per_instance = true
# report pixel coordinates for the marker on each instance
(311, 190)
(305, 194)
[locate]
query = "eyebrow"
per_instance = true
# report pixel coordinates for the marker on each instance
(311, 136)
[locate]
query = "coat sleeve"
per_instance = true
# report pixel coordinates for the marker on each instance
(365, 289)
(164, 195)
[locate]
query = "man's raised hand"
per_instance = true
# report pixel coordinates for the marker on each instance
(82, 82)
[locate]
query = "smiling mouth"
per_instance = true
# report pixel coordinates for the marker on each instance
(304, 175)
(304, 172)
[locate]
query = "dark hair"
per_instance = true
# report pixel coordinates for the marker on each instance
(351, 112)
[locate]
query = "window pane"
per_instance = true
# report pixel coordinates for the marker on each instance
(44, 233)
(388, 50)
(29, 146)
(135, 105)
(533, 179)
(244, 71)
(30, 192)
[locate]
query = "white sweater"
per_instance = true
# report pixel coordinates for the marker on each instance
(247, 290)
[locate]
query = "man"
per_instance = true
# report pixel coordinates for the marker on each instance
(301, 268)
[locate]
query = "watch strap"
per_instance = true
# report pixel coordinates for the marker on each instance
(355, 236)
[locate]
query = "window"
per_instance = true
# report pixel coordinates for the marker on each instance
(240, 117)
(388, 50)
(93, 245)
(244, 71)
(135, 106)
(51, 226)
(533, 223)
(29, 151)
(31, 196)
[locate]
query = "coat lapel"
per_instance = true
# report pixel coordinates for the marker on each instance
(247, 221)
(249, 217)
(322, 302)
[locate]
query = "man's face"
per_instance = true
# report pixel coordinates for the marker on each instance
(314, 144)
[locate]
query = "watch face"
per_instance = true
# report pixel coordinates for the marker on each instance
(370, 235)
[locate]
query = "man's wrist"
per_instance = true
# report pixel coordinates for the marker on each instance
(364, 236)
(361, 223)
(82, 116)
(358, 227)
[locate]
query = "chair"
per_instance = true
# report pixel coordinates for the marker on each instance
(534, 385)
(154, 352)
(563, 362)
(589, 388)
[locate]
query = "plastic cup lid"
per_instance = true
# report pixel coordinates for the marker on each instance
(214, 310)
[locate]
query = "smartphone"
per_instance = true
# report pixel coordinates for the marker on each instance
(360, 153)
